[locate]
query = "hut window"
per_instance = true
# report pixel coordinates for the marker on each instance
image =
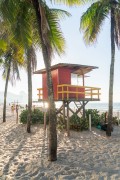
(76, 79)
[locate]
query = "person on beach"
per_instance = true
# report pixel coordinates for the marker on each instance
(17, 107)
(12, 109)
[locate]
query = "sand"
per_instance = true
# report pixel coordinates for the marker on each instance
(82, 156)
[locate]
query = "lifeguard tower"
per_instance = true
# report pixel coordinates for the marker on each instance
(64, 91)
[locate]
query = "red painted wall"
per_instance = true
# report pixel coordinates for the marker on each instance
(55, 82)
(61, 75)
(64, 76)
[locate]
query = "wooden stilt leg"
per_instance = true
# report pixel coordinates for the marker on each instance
(64, 110)
(83, 110)
(68, 124)
(44, 116)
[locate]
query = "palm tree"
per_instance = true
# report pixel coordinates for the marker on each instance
(31, 65)
(21, 27)
(42, 15)
(91, 22)
(11, 57)
(9, 65)
(51, 39)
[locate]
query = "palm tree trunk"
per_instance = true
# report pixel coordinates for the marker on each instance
(29, 90)
(5, 92)
(111, 82)
(52, 135)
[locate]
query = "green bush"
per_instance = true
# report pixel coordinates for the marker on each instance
(95, 116)
(84, 123)
(102, 118)
(61, 124)
(78, 123)
(115, 120)
(37, 116)
(75, 120)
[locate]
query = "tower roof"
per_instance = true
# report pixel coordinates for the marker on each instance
(75, 68)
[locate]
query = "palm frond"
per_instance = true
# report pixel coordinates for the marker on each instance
(55, 33)
(92, 20)
(32, 55)
(3, 45)
(22, 27)
(14, 72)
(8, 9)
(1, 61)
(18, 14)
(69, 2)
(57, 41)
(13, 58)
(61, 14)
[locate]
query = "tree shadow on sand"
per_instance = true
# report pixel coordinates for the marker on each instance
(23, 156)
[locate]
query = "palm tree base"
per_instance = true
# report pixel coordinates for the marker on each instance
(52, 156)
(109, 130)
(4, 119)
(52, 159)
(28, 130)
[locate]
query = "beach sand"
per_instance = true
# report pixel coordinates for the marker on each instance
(82, 156)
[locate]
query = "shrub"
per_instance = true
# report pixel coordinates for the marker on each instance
(115, 120)
(61, 123)
(78, 123)
(37, 116)
(75, 120)
(95, 117)
(84, 123)
(102, 118)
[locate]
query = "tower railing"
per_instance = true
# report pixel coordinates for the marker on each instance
(66, 91)
(40, 93)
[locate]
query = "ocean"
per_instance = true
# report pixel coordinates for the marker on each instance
(100, 106)
(103, 106)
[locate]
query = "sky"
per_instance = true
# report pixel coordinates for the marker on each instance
(98, 54)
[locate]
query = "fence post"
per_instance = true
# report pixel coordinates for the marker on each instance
(44, 119)
(89, 122)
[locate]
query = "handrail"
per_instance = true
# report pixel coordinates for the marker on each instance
(68, 85)
(67, 91)
(64, 92)
(40, 93)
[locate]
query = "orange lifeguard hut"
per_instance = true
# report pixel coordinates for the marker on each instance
(66, 92)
